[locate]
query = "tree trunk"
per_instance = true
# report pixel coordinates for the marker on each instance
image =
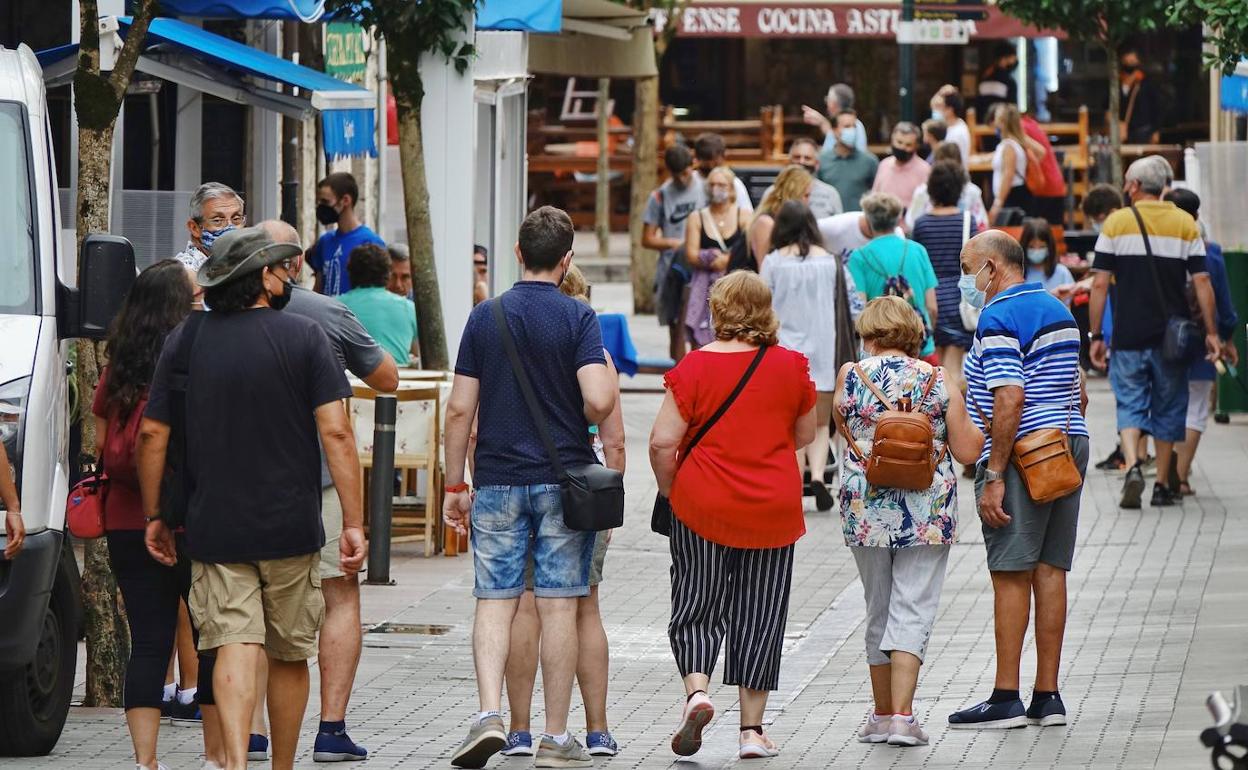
(420, 232)
(602, 186)
(645, 178)
(108, 637)
(1115, 104)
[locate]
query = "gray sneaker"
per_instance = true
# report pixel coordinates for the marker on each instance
(570, 754)
(485, 739)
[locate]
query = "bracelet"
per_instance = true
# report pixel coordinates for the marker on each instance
(455, 489)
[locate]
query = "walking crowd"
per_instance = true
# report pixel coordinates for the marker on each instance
(869, 328)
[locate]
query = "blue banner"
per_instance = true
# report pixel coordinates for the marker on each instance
(1235, 93)
(521, 15)
(349, 132)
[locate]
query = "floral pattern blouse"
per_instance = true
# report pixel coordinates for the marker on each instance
(895, 518)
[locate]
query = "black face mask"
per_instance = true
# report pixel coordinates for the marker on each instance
(902, 156)
(1130, 69)
(279, 301)
(326, 214)
(1009, 67)
(811, 169)
(925, 150)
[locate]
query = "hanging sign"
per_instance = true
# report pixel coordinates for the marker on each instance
(345, 57)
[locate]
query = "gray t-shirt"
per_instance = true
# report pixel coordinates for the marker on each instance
(669, 207)
(356, 350)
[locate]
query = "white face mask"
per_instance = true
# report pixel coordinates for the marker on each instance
(719, 196)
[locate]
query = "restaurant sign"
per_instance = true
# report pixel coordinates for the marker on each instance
(825, 20)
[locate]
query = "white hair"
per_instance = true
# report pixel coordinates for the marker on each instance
(210, 191)
(1150, 174)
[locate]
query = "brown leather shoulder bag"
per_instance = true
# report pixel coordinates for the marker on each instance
(902, 450)
(1043, 458)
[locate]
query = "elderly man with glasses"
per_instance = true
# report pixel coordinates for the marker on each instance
(216, 209)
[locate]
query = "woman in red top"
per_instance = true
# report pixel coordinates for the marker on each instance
(737, 500)
(159, 300)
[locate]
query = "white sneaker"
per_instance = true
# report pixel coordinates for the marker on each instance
(906, 731)
(698, 712)
(876, 729)
(159, 766)
(210, 765)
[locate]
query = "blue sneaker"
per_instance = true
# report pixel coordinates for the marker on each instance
(1046, 711)
(601, 744)
(990, 716)
(337, 747)
(519, 744)
(257, 748)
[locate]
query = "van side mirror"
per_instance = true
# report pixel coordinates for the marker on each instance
(106, 273)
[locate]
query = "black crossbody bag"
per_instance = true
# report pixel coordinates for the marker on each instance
(593, 495)
(661, 517)
(1182, 337)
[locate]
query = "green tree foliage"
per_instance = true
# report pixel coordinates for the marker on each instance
(412, 29)
(1226, 29)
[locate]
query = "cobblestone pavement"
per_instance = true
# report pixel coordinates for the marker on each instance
(1156, 621)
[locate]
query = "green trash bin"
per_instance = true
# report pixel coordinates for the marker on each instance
(1231, 394)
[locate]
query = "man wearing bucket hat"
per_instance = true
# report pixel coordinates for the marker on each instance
(261, 387)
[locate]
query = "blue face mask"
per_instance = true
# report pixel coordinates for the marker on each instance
(848, 136)
(1037, 256)
(208, 237)
(971, 295)
(1096, 226)
(938, 115)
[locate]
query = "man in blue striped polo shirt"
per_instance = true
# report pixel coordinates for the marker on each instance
(1022, 375)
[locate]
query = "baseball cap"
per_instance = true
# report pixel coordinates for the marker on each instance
(240, 252)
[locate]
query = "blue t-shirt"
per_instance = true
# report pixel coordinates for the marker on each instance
(555, 336)
(1228, 319)
(329, 257)
(1026, 337)
(889, 255)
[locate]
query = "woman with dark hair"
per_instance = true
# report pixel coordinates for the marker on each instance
(807, 285)
(942, 231)
(1042, 265)
(391, 319)
(159, 300)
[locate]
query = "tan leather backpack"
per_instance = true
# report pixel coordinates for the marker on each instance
(903, 452)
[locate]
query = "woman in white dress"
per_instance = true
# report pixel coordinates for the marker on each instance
(807, 286)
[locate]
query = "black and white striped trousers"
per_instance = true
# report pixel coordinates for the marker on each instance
(741, 592)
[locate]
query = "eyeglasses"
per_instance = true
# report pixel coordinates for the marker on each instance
(286, 264)
(220, 223)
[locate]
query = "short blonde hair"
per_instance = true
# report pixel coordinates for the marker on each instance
(725, 175)
(741, 309)
(892, 322)
(574, 284)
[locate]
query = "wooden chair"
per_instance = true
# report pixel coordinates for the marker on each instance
(417, 447)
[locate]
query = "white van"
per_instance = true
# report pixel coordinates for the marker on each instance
(39, 589)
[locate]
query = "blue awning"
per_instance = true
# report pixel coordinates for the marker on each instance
(521, 15)
(212, 64)
(285, 10)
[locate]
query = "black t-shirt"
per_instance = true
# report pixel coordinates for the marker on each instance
(256, 379)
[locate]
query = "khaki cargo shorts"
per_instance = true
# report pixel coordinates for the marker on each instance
(331, 517)
(276, 603)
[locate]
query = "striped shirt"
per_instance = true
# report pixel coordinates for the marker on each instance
(1026, 337)
(1177, 250)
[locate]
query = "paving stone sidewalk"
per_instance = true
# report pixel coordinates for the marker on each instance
(1157, 620)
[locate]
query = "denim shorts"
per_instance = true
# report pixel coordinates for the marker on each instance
(1151, 393)
(508, 521)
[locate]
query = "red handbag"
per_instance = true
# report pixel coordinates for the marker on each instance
(84, 510)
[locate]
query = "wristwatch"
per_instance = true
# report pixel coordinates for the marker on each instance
(150, 519)
(455, 489)
(990, 475)
(1095, 336)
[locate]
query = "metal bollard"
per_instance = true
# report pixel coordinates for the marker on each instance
(381, 491)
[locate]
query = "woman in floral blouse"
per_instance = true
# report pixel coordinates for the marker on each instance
(900, 538)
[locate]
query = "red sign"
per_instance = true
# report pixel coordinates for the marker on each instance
(826, 20)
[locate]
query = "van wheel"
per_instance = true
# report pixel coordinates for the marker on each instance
(34, 703)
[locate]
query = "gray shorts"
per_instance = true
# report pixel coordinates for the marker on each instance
(595, 567)
(1037, 532)
(331, 517)
(902, 588)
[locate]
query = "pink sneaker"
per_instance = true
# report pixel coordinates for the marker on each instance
(876, 728)
(698, 712)
(905, 731)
